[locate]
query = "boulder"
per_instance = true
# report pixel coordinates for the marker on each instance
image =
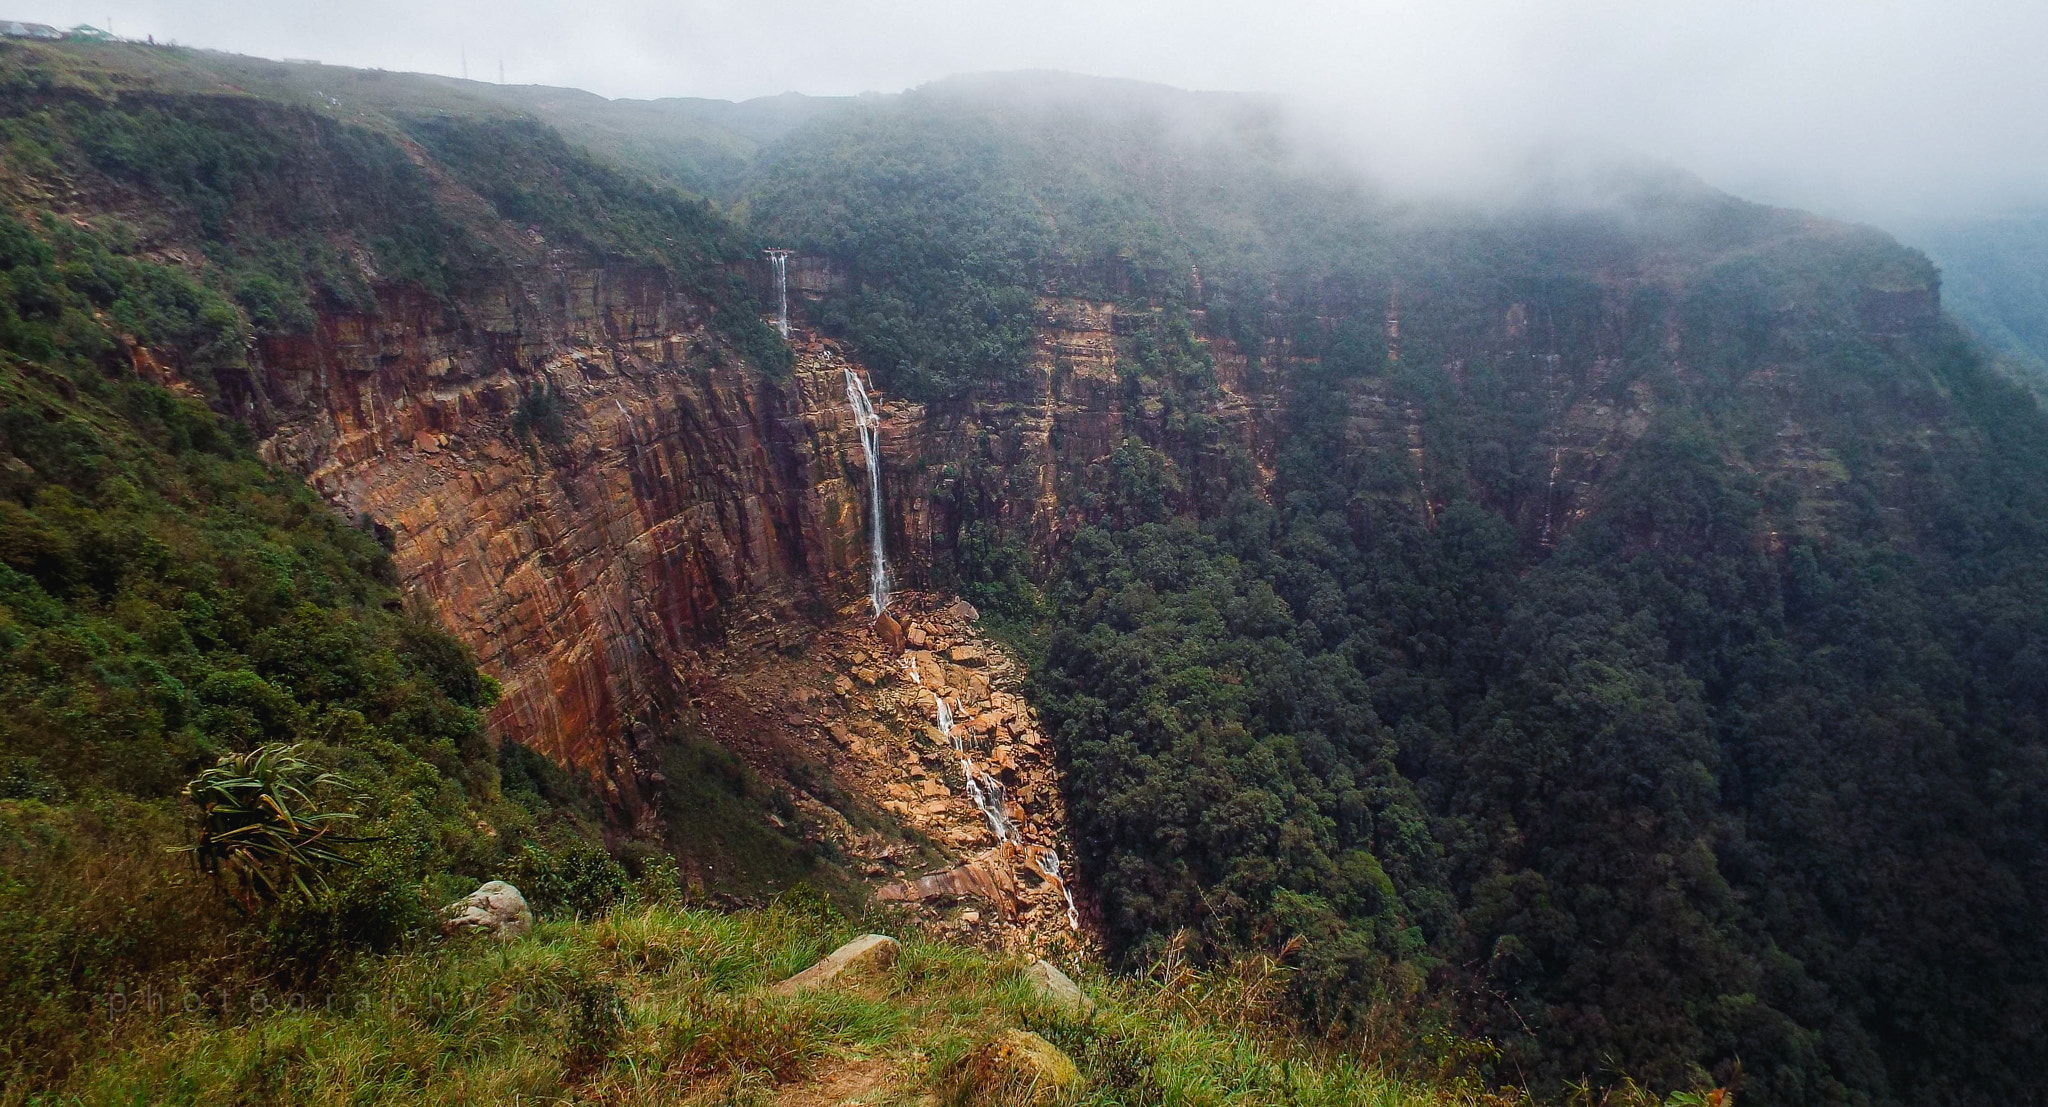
(963, 611)
(965, 655)
(867, 953)
(496, 909)
(889, 633)
(989, 876)
(1056, 989)
(915, 637)
(1017, 1067)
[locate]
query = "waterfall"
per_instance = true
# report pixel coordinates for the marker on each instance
(1048, 865)
(1550, 491)
(986, 793)
(780, 258)
(982, 790)
(870, 426)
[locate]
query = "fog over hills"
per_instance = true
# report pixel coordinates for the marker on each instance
(1925, 118)
(1447, 540)
(1854, 109)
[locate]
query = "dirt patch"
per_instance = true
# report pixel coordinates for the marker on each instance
(866, 1082)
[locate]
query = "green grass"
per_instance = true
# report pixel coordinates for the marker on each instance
(667, 1005)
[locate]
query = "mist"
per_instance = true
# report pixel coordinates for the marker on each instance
(1883, 111)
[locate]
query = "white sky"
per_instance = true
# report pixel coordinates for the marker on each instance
(1872, 108)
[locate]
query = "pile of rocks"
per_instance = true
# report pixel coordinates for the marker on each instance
(847, 701)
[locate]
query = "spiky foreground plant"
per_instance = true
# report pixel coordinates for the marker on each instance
(262, 835)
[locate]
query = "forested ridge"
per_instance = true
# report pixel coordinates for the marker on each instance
(1730, 775)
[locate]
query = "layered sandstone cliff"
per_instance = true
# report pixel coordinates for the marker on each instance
(591, 489)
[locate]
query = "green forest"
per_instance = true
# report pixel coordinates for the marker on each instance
(1739, 784)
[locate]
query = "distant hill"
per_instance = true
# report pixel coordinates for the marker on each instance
(1995, 279)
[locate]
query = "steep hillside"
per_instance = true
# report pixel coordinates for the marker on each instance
(1995, 273)
(177, 272)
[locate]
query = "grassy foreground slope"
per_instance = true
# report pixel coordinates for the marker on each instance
(663, 1005)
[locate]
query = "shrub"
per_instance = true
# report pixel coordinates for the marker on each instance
(577, 880)
(262, 835)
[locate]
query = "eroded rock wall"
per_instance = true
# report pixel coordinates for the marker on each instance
(590, 488)
(581, 480)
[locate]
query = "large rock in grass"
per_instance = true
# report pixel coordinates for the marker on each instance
(496, 909)
(867, 953)
(1058, 990)
(1017, 1067)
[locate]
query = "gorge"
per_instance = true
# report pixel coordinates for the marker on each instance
(1613, 638)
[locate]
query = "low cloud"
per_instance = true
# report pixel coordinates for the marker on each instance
(1876, 109)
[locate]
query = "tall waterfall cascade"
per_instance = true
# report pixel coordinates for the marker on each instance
(986, 793)
(870, 426)
(780, 259)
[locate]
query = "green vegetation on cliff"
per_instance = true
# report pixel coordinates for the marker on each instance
(298, 209)
(1720, 763)
(1712, 791)
(165, 597)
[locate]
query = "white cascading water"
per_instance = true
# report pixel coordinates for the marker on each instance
(780, 258)
(987, 796)
(984, 792)
(1550, 490)
(1049, 864)
(870, 426)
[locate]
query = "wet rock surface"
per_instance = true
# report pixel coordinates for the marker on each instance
(839, 703)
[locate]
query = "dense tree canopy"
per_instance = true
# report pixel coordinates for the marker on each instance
(1732, 772)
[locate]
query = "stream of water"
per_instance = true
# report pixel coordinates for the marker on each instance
(780, 258)
(986, 793)
(870, 426)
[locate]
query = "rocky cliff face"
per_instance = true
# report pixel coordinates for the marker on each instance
(581, 480)
(590, 489)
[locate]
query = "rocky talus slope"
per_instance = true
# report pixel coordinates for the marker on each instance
(851, 704)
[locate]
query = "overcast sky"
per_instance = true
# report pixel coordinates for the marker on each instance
(1880, 109)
